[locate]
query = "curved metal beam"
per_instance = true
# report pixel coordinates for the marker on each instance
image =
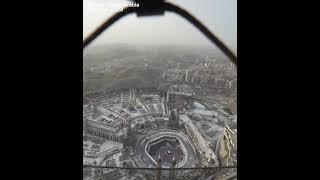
(107, 24)
(175, 9)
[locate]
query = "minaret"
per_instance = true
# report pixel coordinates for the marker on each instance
(125, 134)
(186, 75)
(133, 94)
(173, 171)
(159, 166)
(163, 107)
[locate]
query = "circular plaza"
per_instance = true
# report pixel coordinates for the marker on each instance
(168, 145)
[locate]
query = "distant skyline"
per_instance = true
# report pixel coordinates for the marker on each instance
(220, 16)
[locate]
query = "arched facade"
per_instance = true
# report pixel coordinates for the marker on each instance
(102, 133)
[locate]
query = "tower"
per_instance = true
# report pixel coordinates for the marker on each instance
(173, 170)
(186, 75)
(159, 166)
(127, 133)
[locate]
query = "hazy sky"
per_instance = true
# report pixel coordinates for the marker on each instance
(220, 16)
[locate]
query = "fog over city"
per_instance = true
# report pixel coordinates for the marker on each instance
(220, 16)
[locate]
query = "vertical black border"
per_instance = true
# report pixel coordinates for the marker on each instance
(42, 90)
